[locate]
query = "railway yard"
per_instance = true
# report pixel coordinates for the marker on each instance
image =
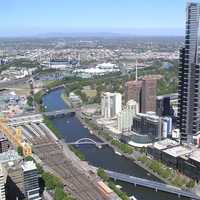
(45, 145)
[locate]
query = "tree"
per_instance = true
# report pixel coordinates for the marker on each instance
(51, 181)
(30, 101)
(20, 150)
(190, 184)
(101, 173)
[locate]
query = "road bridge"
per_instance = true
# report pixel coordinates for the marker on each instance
(152, 184)
(57, 113)
(25, 119)
(38, 117)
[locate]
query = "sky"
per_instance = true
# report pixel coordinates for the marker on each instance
(137, 17)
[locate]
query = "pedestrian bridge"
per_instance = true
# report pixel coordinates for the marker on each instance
(152, 184)
(84, 141)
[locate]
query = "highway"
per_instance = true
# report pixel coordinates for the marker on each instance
(151, 184)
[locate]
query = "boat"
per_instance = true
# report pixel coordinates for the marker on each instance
(119, 186)
(132, 198)
(118, 153)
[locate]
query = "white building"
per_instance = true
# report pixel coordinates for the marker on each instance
(31, 184)
(111, 105)
(2, 183)
(125, 117)
(107, 66)
(99, 70)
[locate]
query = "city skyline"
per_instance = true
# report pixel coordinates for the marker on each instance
(128, 17)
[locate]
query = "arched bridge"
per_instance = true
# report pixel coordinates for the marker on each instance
(83, 141)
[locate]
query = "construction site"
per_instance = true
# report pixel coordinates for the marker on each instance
(35, 137)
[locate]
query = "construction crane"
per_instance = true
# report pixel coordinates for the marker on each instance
(15, 137)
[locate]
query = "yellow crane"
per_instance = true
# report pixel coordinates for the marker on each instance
(15, 137)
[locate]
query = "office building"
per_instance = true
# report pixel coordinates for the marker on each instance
(189, 78)
(4, 144)
(163, 107)
(166, 127)
(31, 185)
(125, 117)
(2, 182)
(143, 91)
(133, 90)
(111, 104)
(146, 127)
(182, 158)
(148, 94)
(15, 181)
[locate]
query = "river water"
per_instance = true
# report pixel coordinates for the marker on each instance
(72, 130)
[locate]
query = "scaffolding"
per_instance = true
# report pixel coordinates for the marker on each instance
(15, 137)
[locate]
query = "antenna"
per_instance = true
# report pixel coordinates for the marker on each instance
(136, 70)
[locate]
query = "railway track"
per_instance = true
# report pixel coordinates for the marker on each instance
(75, 182)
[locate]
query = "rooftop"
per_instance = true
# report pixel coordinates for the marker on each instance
(164, 144)
(2, 137)
(8, 156)
(150, 115)
(28, 165)
(178, 151)
(195, 155)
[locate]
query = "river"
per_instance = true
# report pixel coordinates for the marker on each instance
(72, 130)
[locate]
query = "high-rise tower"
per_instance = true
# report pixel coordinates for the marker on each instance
(189, 77)
(143, 91)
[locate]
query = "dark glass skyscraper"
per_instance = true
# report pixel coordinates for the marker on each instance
(189, 77)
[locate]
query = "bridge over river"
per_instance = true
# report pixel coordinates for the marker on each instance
(57, 113)
(84, 141)
(152, 184)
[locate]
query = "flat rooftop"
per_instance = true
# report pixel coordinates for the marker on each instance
(164, 144)
(2, 137)
(28, 166)
(8, 156)
(178, 151)
(195, 155)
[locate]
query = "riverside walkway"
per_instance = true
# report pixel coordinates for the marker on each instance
(152, 184)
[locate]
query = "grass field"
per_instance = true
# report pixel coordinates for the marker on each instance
(89, 92)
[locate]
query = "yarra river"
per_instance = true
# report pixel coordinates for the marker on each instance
(72, 129)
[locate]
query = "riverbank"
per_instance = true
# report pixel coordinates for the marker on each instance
(64, 97)
(72, 130)
(50, 125)
(156, 168)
